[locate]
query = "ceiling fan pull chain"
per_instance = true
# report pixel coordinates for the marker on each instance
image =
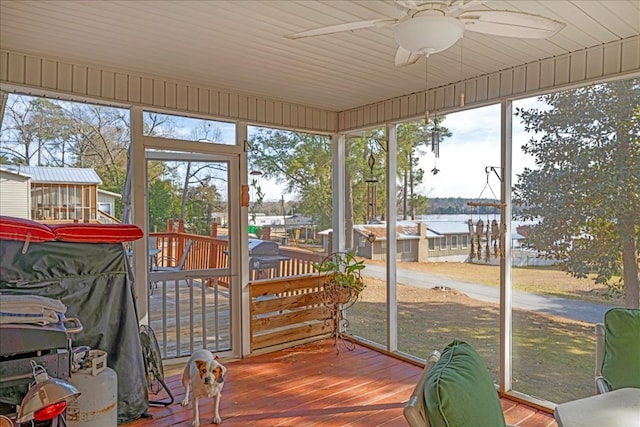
(426, 90)
(461, 76)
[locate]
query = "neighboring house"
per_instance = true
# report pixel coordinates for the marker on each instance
(220, 218)
(107, 206)
(14, 193)
(50, 194)
(325, 239)
(422, 241)
(260, 220)
(416, 241)
(407, 238)
(447, 240)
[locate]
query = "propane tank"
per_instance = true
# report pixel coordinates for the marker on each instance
(97, 406)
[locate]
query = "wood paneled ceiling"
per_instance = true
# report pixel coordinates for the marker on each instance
(240, 45)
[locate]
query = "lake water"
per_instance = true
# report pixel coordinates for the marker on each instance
(463, 218)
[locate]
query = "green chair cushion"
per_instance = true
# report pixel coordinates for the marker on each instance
(621, 364)
(460, 392)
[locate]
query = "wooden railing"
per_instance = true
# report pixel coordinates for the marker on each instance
(210, 252)
(105, 218)
(205, 252)
(300, 261)
(286, 303)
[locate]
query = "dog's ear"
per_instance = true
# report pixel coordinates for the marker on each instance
(201, 365)
(219, 373)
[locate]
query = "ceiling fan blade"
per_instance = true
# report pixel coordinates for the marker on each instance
(509, 23)
(447, 6)
(349, 26)
(405, 57)
(408, 4)
(457, 5)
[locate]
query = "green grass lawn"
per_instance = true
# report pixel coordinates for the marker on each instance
(553, 357)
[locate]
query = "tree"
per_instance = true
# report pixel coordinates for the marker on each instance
(587, 185)
(302, 162)
(412, 138)
(42, 132)
(96, 137)
(358, 174)
(31, 131)
(204, 132)
(203, 200)
(162, 197)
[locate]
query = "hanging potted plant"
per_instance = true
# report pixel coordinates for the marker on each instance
(343, 282)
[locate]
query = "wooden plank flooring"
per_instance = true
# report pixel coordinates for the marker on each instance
(311, 385)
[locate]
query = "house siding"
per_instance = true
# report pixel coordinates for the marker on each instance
(111, 86)
(437, 249)
(109, 199)
(15, 197)
(618, 58)
(615, 59)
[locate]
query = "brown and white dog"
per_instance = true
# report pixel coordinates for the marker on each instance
(204, 376)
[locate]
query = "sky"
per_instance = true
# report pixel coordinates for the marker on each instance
(464, 157)
(473, 146)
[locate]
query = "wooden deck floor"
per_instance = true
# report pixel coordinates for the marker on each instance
(311, 385)
(169, 302)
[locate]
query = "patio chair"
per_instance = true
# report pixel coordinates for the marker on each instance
(455, 389)
(414, 410)
(152, 246)
(171, 260)
(618, 350)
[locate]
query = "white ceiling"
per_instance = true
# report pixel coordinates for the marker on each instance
(239, 46)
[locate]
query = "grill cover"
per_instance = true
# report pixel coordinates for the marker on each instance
(93, 281)
(264, 255)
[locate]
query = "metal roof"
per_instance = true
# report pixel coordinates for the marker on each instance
(409, 229)
(45, 174)
(447, 227)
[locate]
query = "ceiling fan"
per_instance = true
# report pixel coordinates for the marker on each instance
(430, 27)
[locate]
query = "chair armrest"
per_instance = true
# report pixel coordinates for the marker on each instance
(599, 331)
(414, 410)
(166, 261)
(601, 385)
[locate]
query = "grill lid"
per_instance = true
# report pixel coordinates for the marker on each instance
(263, 247)
(24, 338)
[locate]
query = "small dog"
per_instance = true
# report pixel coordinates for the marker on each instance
(204, 376)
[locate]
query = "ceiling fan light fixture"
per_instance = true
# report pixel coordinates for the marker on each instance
(428, 34)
